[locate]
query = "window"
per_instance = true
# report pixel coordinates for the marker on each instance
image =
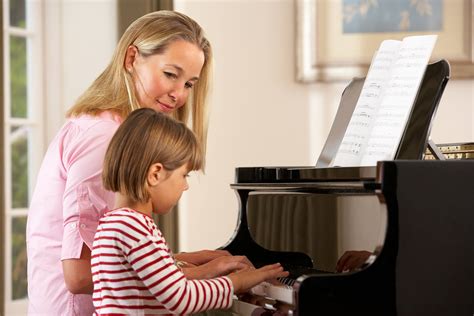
(23, 137)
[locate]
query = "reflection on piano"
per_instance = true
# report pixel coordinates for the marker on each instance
(305, 217)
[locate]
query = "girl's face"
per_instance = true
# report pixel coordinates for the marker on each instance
(163, 81)
(167, 192)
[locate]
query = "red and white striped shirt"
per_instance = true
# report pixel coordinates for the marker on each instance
(134, 272)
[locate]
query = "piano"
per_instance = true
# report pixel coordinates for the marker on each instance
(415, 216)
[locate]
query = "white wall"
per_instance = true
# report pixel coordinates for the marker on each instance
(455, 116)
(79, 42)
(260, 116)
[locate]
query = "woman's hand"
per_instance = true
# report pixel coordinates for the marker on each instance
(198, 258)
(220, 266)
(352, 260)
(248, 278)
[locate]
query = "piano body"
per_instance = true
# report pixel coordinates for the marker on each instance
(424, 267)
(305, 217)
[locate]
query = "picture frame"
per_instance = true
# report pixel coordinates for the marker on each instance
(324, 53)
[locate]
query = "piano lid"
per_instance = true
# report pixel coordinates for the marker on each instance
(304, 174)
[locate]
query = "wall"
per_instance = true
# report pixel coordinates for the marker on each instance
(455, 116)
(79, 42)
(261, 117)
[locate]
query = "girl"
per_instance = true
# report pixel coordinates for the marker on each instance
(162, 62)
(133, 270)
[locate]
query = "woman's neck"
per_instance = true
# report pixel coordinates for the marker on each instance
(122, 201)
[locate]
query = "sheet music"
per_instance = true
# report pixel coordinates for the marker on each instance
(384, 105)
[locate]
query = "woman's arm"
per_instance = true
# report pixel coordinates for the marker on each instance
(77, 273)
(201, 257)
(84, 198)
(220, 266)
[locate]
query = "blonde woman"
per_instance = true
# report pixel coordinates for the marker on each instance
(162, 62)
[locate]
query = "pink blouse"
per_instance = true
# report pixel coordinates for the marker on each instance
(65, 209)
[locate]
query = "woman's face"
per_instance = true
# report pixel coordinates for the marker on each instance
(163, 81)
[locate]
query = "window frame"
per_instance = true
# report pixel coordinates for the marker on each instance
(34, 124)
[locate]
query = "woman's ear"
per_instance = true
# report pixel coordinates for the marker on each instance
(156, 173)
(130, 56)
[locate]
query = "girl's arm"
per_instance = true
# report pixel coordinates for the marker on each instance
(154, 265)
(244, 280)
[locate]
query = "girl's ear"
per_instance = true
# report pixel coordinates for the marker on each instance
(156, 173)
(132, 52)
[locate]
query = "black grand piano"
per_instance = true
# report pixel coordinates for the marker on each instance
(416, 218)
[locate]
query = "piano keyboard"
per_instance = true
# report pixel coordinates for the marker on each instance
(283, 293)
(287, 281)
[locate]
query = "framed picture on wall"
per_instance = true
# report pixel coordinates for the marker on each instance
(336, 39)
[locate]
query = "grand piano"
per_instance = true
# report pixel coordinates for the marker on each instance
(416, 218)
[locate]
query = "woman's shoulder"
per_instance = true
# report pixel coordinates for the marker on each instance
(102, 122)
(88, 129)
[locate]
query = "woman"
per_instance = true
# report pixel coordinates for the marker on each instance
(163, 62)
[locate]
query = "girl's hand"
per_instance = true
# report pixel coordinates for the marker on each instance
(248, 278)
(218, 267)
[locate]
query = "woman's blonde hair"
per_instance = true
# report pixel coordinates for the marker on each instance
(147, 137)
(114, 89)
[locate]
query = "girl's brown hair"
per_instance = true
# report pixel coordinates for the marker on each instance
(147, 137)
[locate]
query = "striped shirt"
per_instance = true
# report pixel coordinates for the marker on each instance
(134, 272)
